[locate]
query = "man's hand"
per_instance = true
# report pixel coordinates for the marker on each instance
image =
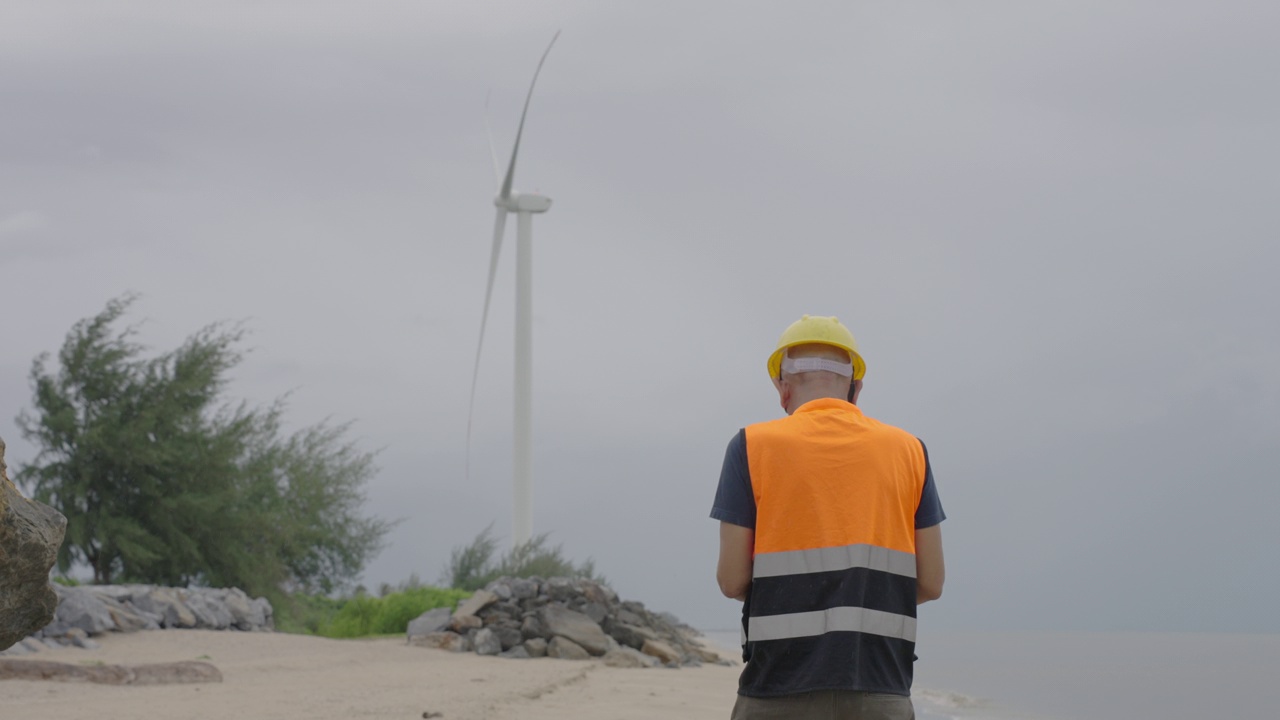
(737, 549)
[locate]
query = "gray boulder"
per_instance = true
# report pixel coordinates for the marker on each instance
(625, 657)
(509, 637)
(487, 643)
(516, 653)
(80, 608)
(523, 589)
(448, 641)
(165, 603)
(240, 607)
(210, 614)
(478, 601)
(263, 617)
(536, 647)
(30, 535)
(596, 611)
(566, 649)
(582, 630)
(430, 621)
(128, 618)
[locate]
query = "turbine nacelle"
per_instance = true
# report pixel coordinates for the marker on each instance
(523, 202)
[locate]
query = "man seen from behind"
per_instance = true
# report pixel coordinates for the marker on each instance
(830, 535)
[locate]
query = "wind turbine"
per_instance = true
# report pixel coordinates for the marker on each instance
(524, 205)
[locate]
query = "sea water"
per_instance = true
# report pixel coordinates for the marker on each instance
(1091, 676)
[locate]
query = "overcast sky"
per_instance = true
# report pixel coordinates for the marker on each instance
(1052, 227)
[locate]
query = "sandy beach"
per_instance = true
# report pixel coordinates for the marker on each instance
(272, 675)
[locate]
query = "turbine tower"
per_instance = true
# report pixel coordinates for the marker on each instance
(524, 205)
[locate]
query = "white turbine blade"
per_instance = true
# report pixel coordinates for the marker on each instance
(493, 152)
(499, 225)
(515, 150)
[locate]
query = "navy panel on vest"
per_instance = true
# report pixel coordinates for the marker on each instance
(866, 662)
(856, 587)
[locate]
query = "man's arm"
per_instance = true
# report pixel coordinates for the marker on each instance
(737, 549)
(930, 569)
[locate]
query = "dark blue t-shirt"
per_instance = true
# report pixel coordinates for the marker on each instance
(736, 503)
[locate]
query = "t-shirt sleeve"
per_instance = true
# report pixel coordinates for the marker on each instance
(735, 502)
(929, 512)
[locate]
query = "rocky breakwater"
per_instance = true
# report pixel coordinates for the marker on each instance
(30, 535)
(561, 618)
(86, 611)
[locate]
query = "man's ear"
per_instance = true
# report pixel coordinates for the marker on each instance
(784, 391)
(855, 387)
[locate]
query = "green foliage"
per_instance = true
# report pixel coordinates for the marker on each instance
(163, 481)
(471, 567)
(66, 581)
(365, 615)
(304, 613)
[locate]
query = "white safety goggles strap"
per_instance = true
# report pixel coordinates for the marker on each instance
(795, 366)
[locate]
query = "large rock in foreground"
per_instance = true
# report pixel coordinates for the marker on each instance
(30, 535)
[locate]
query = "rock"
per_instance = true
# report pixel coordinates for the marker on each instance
(500, 588)
(537, 647)
(450, 641)
(262, 609)
(633, 636)
(630, 618)
(487, 643)
(127, 619)
(660, 650)
(156, 674)
(516, 653)
(165, 603)
(597, 593)
(81, 609)
(560, 589)
(85, 643)
(596, 611)
(477, 602)
(523, 588)
(509, 637)
(566, 649)
(502, 610)
(30, 535)
(705, 654)
(210, 614)
(241, 608)
(575, 626)
(32, 645)
(54, 629)
(17, 649)
(430, 621)
(463, 623)
(532, 627)
(625, 657)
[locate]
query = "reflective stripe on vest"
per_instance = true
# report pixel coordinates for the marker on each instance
(832, 603)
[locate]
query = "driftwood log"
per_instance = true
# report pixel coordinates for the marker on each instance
(174, 673)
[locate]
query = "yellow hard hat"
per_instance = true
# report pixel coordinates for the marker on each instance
(817, 329)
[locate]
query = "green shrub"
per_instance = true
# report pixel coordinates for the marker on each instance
(364, 615)
(304, 614)
(472, 567)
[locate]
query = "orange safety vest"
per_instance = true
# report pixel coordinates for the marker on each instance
(832, 604)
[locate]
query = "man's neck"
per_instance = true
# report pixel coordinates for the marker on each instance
(802, 399)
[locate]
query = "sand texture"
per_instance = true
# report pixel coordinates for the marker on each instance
(269, 675)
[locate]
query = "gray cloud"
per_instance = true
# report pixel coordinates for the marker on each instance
(1050, 225)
